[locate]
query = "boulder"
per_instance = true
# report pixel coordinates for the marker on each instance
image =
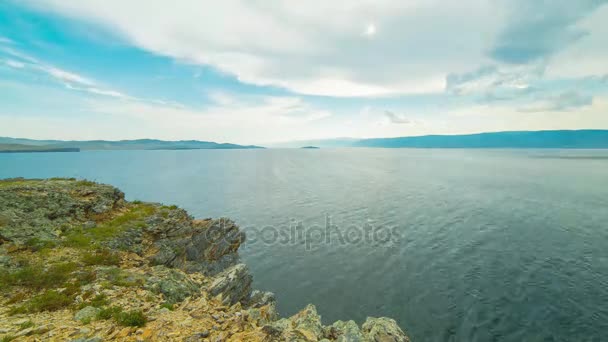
(87, 314)
(173, 284)
(383, 330)
(234, 285)
(347, 331)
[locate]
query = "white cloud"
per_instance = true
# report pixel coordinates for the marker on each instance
(71, 80)
(589, 55)
(488, 118)
(65, 76)
(495, 78)
(566, 101)
(14, 64)
(299, 48)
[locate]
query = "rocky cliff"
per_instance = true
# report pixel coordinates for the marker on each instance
(78, 262)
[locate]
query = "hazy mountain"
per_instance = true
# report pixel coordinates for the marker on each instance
(18, 148)
(517, 139)
(141, 144)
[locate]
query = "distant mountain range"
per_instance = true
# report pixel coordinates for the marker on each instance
(516, 139)
(29, 145)
(18, 148)
(592, 139)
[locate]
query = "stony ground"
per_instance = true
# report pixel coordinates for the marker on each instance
(79, 263)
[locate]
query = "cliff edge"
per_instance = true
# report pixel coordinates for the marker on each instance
(80, 263)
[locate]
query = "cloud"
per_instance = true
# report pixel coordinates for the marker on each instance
(69, 79)
(395, 118)
(509, 84)
(369, 48)
(563, 102)
(4, 40)
(14, 64)
(538, 29)
(65, 76)
(250, 120)
(588, 55)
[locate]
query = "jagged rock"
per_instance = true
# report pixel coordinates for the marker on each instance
(260, 298)
(342, 331)
(174, 285)
(308, 322)
(277, 329)
(234, 285)
(383, 330)
(86, 314)
(263, 315)
(303, 326)
(178, 241)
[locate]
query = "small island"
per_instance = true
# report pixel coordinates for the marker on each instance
(310, 147)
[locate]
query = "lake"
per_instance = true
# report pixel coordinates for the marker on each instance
(456, 245)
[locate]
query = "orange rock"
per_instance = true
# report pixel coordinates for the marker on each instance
(124, 333)
(147, 334)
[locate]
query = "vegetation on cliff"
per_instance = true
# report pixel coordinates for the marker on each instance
(78, 262)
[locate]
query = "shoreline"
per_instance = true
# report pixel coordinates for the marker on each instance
(188, 270)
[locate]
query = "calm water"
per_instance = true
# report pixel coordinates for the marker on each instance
(484, 245)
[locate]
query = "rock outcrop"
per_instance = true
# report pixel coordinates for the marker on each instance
(78, 262)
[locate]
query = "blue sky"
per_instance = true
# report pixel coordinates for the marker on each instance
(270, 71)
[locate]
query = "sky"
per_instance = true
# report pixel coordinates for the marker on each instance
(264, 71)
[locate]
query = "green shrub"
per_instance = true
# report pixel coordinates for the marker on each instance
(167, 306)
(7, 338)
(47, 301)
(35, 244)
(77, 239)
(135, 217)
(86, 277)
(98, 301)
(119, 277)
(37, 277)
(103, 257)
(110, 312)
(134, 318)
(85, 183)
(26, 325)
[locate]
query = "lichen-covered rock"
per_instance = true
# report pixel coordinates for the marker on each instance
(383, 330)
(262, 307)
(234, 284)
(172, 238)
(260, 298)
(308, 322)
(304, 326)
(87, 314)
(174, 285)
(342, 331)
(38, 209)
